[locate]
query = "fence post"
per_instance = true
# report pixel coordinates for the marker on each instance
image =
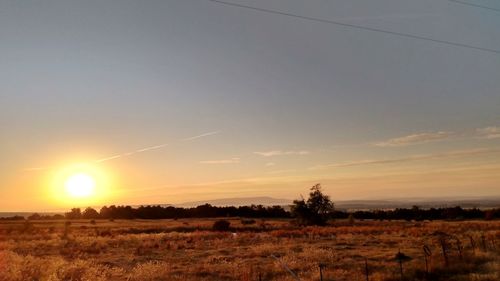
(367, 273)
(321, 266)
(472, 244)
(427, 257)
(444, 245)
(459, 247)
(483, 241)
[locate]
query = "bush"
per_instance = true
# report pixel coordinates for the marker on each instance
(247, 221)
(221, 225)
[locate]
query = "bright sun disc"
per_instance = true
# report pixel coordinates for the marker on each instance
(80, 185)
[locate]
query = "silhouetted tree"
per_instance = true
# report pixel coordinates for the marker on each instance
(90, 213)
(35, 216)
(316, 210)
(75, 213)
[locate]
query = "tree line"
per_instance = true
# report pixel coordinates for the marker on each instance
(318, 209)
(170, 212)
(259, 211)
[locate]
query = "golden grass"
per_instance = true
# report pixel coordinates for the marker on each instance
(188, 249)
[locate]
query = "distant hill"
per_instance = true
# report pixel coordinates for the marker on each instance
(26, 214)
(480, 202)
(240, 201)
(420, 202)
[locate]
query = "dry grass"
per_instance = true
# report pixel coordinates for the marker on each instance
(189, 250)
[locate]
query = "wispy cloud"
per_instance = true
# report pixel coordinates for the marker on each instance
(201, 136)
(418, 138)
(488, 132)
(281, 153)
(270, 164)
(450, 154)
(233, 160)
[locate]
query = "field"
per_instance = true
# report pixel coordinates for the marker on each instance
(188, 249)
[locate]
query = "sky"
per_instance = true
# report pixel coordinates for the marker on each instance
(188, 100)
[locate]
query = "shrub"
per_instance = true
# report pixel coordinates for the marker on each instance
(221, 225)
(247, 221)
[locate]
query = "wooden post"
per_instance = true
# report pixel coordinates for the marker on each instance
(427, 256)
(443, 243)
(483, 241)
(459, 247)
(401, 269)
(320, 272)
(367, 273)
(472, 244)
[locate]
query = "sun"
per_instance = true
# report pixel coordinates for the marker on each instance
(80, 185)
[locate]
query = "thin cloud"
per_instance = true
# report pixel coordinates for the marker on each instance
(451, 154)
(488, 132)
(281, 153)
(270, 164)
(233, 160)
(416, 139)
(201, 136)
(151, 148)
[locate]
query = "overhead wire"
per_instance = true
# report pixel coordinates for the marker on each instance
(360, 27)
(474, 5)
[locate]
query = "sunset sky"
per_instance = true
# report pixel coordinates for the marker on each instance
(185, 100)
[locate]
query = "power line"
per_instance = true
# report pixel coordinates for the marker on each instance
(407, 35)
(474, 5)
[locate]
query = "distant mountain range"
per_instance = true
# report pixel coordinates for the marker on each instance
(420, 202)
(243, 201)
(479, 202)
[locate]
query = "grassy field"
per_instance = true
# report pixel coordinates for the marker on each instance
(188, 249)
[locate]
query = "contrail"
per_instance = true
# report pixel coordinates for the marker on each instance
(151, 148)
(108, 158)
(130, 153)
(126, 154)
(201, 136)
